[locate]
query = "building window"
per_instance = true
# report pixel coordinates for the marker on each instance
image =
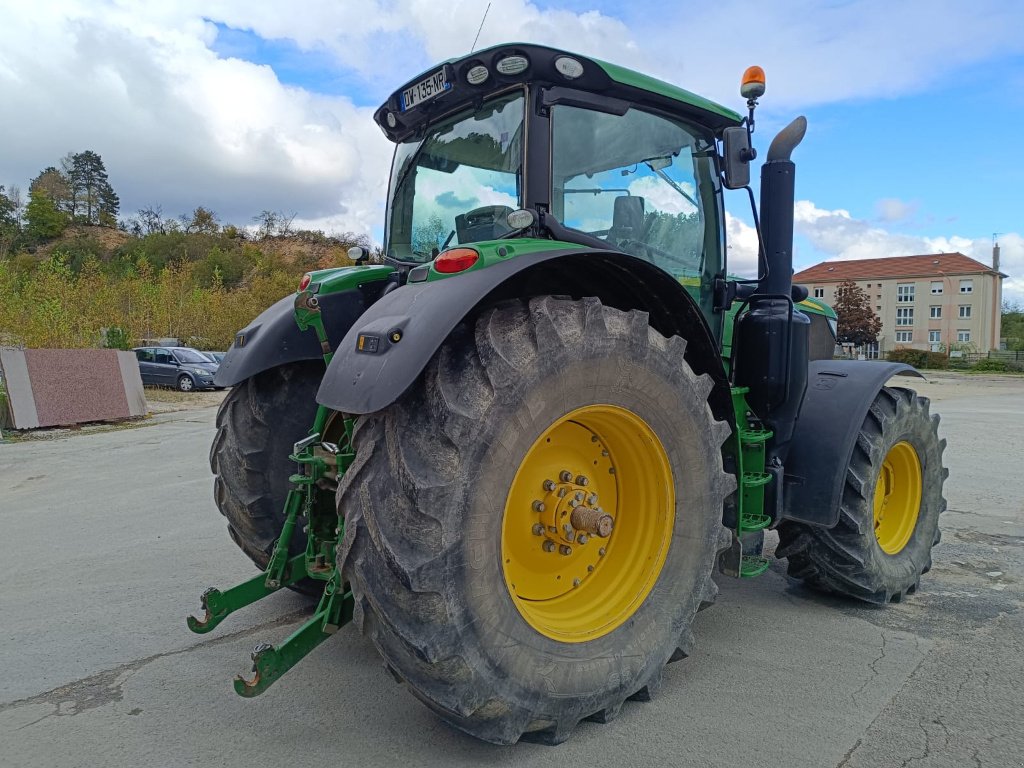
(904, 336)
(935, 340)
(935, 312)
(871, 350)
(966, 286)
(904, 293)
(878, 307)
(819, 293)
(937, 287)
(963, 335)
(905, 316)
(965, 310)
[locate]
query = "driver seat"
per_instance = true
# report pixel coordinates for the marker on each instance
(627, 219)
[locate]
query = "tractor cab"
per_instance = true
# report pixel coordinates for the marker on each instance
(603, 157)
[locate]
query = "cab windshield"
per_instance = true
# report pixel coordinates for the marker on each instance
(457, 184)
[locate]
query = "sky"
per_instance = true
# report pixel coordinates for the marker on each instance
(915, 107)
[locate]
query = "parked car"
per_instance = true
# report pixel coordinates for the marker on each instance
(216, 357)
(183, 368)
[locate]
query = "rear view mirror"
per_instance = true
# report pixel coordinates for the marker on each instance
(738, 154)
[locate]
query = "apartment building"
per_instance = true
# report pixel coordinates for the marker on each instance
(933, 301)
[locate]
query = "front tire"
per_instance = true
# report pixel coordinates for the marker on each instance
(889, 512)
(185, 383)
(441, 488)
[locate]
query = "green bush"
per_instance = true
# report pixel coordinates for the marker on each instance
(994, 365)
(919, 358)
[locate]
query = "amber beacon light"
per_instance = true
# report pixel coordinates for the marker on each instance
(752, 85)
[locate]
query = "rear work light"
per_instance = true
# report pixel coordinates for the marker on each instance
(456, 260)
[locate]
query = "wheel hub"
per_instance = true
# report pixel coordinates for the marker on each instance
(587, 523)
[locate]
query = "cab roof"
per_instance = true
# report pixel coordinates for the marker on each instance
(399, 121)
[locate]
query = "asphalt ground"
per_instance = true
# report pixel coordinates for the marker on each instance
(107, 540)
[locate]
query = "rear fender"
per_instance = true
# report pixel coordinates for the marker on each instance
(274, 338)
(384, 353)
(839, 393)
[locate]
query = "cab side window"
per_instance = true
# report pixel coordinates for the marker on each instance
(163, 356)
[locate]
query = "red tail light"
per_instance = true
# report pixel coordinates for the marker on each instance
(456, 260)
(304, 282)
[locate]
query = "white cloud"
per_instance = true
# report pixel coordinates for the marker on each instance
(179, 126)
(175, 124)
(743, 247)
(838, 235)
(893, 209)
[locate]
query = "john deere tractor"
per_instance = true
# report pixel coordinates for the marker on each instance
(515, 450)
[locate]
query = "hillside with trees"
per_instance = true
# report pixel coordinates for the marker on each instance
(73, 274)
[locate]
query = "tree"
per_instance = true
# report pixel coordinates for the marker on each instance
(43, 219)
(858, 324)
(94, 200)
(1013, 326)
(202, 221)
(10, 219)
(56, 185)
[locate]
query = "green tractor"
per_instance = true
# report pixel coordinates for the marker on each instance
(516, 450)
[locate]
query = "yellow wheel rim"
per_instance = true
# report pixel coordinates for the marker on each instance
(897, 498)
(587, 523)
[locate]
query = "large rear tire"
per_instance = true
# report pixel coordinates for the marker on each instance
(889, 512)
(257, 424)
(439, 523)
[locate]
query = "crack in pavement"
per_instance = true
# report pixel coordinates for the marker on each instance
(107, 686)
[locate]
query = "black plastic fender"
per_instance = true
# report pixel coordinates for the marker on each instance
(839, 393)
(274, 338)
(391, 344)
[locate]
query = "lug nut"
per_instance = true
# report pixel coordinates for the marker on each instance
(593, 438)
(562, 492)
(565, 550)
(601, 551)
(582, 480)
(592, 499)
(582, 539)
(549, 485)
(590, 569)
(611, 470)
(548, 545)
(578, 497)
(575, 582)
(565, 476)
(538, 529)
(538, 506)
(570, 534)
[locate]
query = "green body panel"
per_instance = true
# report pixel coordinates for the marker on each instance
(496, 251)
(338, 279)
(661, 88)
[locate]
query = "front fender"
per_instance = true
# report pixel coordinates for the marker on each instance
(386, 350)
(839, 393)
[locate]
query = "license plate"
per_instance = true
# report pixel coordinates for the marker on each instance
(424, 90)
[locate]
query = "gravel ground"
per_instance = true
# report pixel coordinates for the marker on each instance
(100, 669)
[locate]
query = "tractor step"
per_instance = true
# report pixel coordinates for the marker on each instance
(753, 565)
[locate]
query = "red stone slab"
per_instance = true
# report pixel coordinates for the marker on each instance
(71, 386)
